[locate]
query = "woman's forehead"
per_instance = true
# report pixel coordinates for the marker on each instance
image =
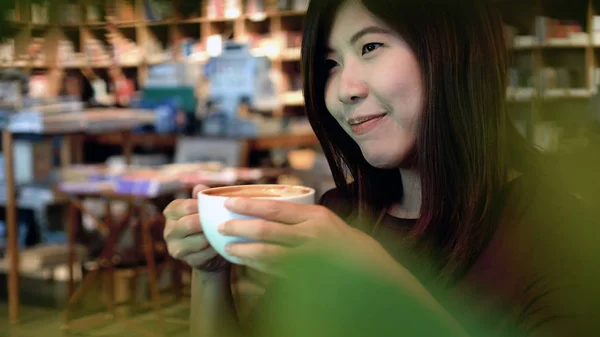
(351, 18)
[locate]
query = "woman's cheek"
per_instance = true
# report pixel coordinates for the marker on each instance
(330, 95)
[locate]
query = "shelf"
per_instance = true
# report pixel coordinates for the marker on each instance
(290, 54)
(72, 66)
(100, 65)
(160, 23)
(92, 120)
(287, 13)
(552, 46)
(41, 26)
(93, 24)
(7, 66)
(157, 60)
(132, 24)
(568, 93)
(151, 61)
(131, 29)
(293, 98)
(20, 24)
(223, 19)
(190, 21)
(69, 25)
(125, 24)
(40, 65)
(528, 94)
(520, 94)
(264, 142)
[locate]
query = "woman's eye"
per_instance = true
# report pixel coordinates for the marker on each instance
(369, 47)
(330, 64)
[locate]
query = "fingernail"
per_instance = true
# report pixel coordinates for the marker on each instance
(221, 228)
(228, 249)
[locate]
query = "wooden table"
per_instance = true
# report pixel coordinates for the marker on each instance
(108, 259)
(70, 152)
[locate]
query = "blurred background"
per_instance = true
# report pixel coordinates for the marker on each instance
(112, 108)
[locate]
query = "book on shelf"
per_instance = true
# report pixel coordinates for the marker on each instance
(224, 9)
(7, 52)
(91, 120)
(40, 12)
(158, 10)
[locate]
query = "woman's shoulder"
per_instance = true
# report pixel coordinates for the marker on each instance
(541, 206)
(548, 220)
(544, 255)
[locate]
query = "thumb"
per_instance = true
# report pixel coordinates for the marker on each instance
(197, 189)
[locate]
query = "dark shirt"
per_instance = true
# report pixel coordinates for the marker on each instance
(538, 276)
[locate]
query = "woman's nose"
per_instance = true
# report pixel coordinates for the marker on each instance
(351, 88)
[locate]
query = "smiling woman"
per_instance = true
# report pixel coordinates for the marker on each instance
(380, 113)
(446, 199)
(432, 75)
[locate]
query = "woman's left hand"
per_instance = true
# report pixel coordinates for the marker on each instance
(284, 228)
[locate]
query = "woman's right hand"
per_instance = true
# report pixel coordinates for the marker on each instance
(185, 238)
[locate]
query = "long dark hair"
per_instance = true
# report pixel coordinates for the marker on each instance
(465, 145)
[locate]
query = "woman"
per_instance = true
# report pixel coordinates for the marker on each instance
(407, 99)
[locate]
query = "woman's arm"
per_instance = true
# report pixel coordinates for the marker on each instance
(213, 312)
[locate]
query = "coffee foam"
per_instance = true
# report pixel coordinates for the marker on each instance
(253, 191)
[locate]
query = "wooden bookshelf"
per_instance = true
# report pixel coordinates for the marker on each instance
(129, 19)
(545, 55)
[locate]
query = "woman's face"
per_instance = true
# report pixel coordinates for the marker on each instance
(374, 89)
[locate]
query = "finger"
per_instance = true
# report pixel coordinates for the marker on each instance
(264, 230)
(273, 210)
(192, 244)
(200, 258)
(265, 268)
(186, 226)
(180, 208)
(257, 251)
(197, 189)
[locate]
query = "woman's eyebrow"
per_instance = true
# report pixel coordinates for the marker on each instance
(365, 31)
(359, 34)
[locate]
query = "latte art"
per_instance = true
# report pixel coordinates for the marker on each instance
(259, 191)
(213, 213)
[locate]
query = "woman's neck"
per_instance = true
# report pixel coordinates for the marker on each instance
(410, 205)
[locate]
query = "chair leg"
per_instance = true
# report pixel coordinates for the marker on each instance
(150, 262)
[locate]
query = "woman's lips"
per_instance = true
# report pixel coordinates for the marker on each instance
(362, 125)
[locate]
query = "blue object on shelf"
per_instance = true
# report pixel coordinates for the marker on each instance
(185, 96)
(2, 234)
(59, 237)
(149, 12)
(166, 114)
(23, 232)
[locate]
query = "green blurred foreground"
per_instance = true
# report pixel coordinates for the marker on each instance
(323, 298)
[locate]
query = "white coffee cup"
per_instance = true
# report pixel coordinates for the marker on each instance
(211, 207)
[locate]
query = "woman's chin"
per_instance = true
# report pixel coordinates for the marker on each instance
(384, 156)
